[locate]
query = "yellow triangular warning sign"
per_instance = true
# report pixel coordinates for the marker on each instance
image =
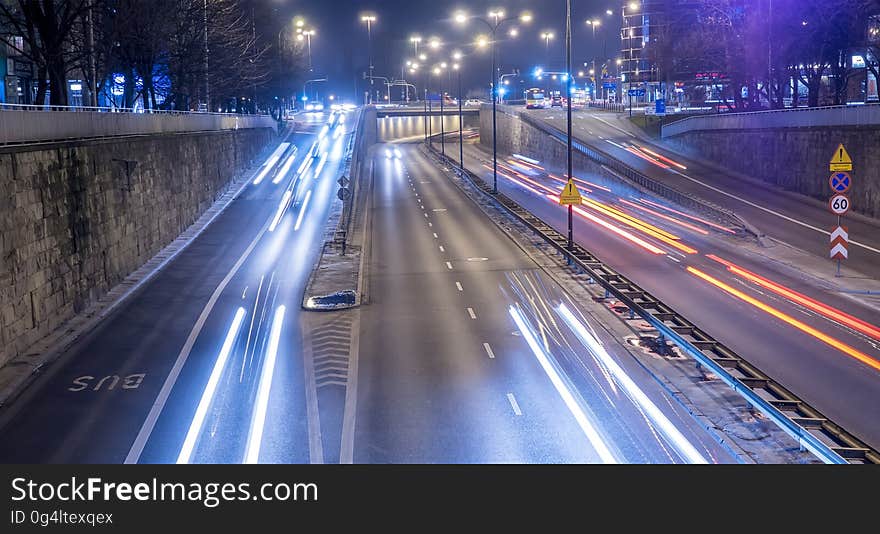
(840, 161)
(570, 194)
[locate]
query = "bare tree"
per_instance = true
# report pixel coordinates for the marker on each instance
(45, 26)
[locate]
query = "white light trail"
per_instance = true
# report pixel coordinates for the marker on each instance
(669, 430)
(567, 396)
(195, 426)
(258, 422)
(288, 163)
(302, 210)
(273, 159)
(529, 160)
(320, 166)
(281, 208)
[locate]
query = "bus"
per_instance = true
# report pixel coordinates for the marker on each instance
(535, 99)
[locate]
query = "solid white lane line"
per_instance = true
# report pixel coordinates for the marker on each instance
(471, 313)
(489, 351)
(458, 286)
(768, 210)
(195, 427)
(514, 404)
(448, 265)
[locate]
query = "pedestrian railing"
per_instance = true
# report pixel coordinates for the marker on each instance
(29, 124)
(850, 115)
(827, 440)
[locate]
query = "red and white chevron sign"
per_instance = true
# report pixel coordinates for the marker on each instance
(839, 240)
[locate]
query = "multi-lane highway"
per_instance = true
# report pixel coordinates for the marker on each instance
(821, 345)
(790, 218)
(202, 364)
(470, 353)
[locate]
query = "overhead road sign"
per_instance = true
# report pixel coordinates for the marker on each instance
(838, 243)
(570, 194)
(839, 204)
(840, 161)
(636, 92)
(840, 182)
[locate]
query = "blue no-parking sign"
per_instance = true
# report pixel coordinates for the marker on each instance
(840, 182)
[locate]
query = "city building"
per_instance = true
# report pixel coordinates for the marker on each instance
(17, 73)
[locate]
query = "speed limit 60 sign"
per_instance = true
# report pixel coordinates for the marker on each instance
(839, 204)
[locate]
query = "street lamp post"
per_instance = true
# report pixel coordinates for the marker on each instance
(568, 96)
(498, 19)
(457, 68)
(369, 19)
(438, 71)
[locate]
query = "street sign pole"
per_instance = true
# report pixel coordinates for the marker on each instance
(840, 182)
(838, 258)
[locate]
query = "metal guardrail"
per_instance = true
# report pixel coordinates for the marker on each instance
(852, 115)
(812, 430)
(635, 176)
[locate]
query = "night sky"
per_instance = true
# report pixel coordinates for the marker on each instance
(339, 49)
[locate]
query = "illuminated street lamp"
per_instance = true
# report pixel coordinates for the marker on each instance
(415, 40)
(496, 18)
(369, 19)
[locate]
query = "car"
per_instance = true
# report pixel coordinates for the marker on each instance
(556, 102)
(470, 102)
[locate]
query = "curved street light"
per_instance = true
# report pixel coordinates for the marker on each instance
(496, 18)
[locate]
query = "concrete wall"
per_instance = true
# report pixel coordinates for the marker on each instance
(73, 225)
(793, 158)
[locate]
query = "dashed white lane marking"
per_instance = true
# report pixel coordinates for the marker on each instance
(458, 286)
(471, 313)
(514, 404)
(243, 293)
(429, 224)
(426, 215)
(676, 260)
(448, 265)
(442, 249)
(489, 350)
(436, 236)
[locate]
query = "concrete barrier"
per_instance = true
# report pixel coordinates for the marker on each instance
(21, 126)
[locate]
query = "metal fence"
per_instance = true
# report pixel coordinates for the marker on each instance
(29, 124)
(861, 115)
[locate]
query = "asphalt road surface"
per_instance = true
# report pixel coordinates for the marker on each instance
(467, 357)
(824, 347)
(203, 363)
(788, 218)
